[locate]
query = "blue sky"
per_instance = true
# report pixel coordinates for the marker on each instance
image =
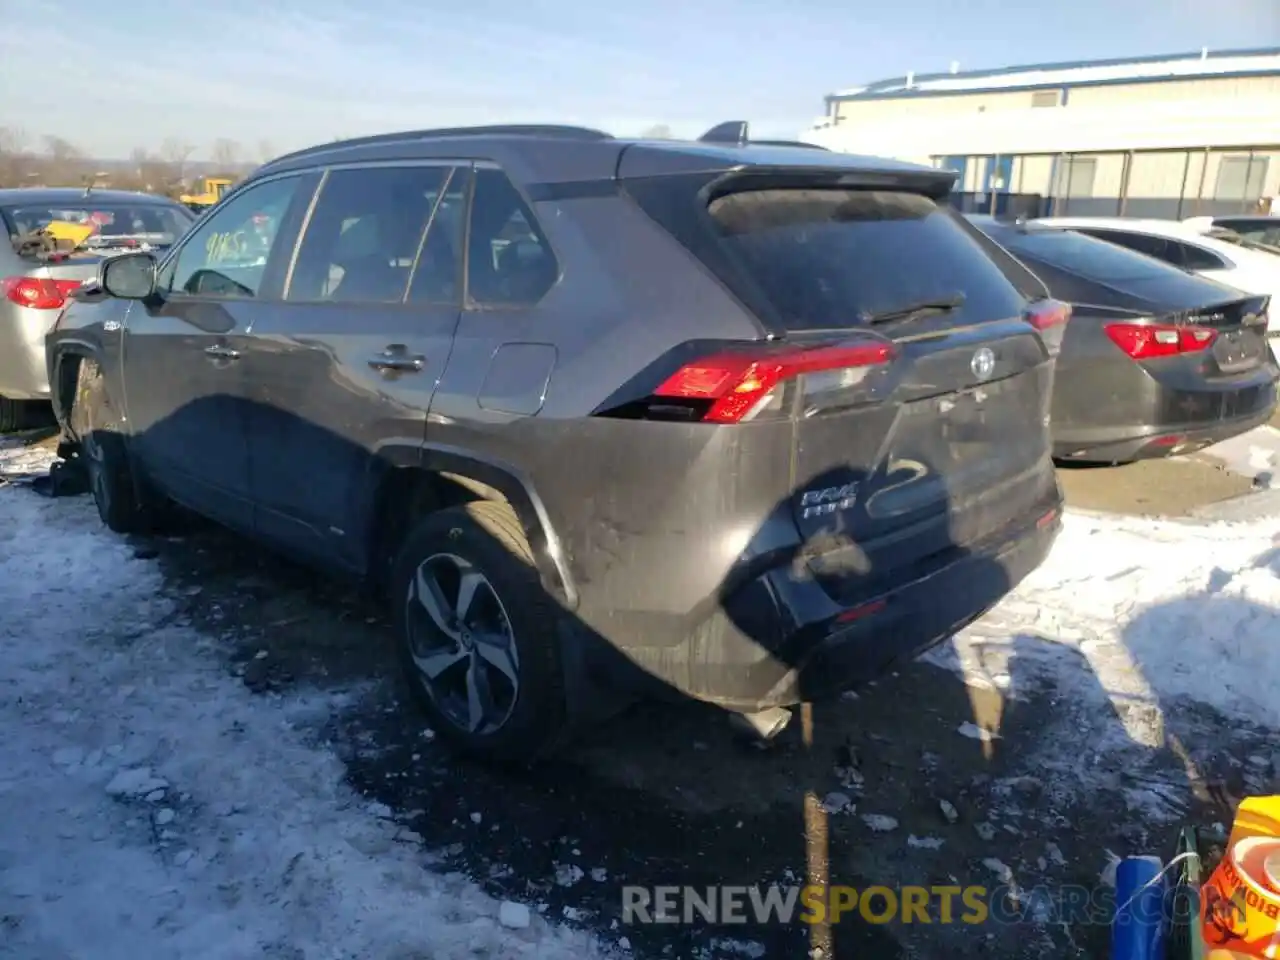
(280, 74)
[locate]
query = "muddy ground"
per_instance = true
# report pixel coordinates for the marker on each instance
(664, 795)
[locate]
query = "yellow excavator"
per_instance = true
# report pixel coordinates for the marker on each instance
(209, 192)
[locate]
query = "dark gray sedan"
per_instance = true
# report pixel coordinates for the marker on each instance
(1154, 361)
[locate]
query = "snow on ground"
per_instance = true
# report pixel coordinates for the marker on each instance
(1144, 621)
(1164, 611)
(153, 807)
(1253, 454)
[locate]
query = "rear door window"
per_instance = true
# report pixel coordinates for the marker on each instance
(364, 234)
(826, 258)
(437, 276)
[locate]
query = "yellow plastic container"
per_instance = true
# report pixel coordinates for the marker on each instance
(1240, 903)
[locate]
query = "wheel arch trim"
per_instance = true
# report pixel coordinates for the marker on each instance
(508, 480)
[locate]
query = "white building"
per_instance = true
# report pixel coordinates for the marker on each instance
(1171, 136)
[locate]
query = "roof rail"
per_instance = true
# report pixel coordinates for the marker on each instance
(738, 133)
(497, 130)
(789, 143)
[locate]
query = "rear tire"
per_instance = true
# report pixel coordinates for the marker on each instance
(513, 713)
(124, 504)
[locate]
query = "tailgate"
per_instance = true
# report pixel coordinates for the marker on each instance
(956, 454)
(954, 446)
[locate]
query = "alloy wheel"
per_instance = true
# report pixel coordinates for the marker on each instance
(462, 643)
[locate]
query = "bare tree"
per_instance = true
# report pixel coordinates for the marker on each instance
(175, 153)
(13, 141)
(65, 163)
(265, 151)
(61, 150)
(14, 158)
(659, 131)
(226, 153)
(148, 172)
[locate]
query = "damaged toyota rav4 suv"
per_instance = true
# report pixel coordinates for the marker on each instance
(739, 422)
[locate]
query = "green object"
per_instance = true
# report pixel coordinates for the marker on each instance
(1184, 941)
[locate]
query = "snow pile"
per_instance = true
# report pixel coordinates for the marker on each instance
(1164, 612)
(153, 807)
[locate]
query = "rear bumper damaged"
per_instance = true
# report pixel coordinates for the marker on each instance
(782, 639)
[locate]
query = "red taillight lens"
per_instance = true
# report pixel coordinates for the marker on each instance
(1146, 341)
(1046, 314)
(37, 293)
(737, 382)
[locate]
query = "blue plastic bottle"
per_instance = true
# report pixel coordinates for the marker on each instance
(1138, 930)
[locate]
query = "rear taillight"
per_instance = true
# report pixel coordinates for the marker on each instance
(1049, 318)
(1044, 315)
(1146, 341)
(731, 386)
(37, 293)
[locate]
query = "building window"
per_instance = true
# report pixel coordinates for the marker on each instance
(1045, 98)
(1075, 179)
(1240, 178)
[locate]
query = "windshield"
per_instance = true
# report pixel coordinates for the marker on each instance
(156, 224)
(1082, 255)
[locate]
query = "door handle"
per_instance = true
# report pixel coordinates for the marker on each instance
(398, 362)
(221, 353)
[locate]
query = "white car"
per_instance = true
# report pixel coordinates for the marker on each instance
(1185, 245)
(1253, 228)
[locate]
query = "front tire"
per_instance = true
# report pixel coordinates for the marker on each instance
(124, 505)
(476, 634)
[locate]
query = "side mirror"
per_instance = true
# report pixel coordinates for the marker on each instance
(129, 276)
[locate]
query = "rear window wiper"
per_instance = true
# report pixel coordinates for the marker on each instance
(915, 311)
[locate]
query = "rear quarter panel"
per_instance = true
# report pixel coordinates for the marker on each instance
(621, 496)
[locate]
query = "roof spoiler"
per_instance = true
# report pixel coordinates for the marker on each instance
(737, 133)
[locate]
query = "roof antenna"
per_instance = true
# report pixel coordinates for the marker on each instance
(732, 131)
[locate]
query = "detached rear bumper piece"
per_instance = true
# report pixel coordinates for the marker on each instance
(782, 639)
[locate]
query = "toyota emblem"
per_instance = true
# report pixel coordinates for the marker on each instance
(983, 363)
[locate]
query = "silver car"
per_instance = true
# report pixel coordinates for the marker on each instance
(57, 237)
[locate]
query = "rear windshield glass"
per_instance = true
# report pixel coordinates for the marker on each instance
(154, 223)
(825, 257)
(1082, 255)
